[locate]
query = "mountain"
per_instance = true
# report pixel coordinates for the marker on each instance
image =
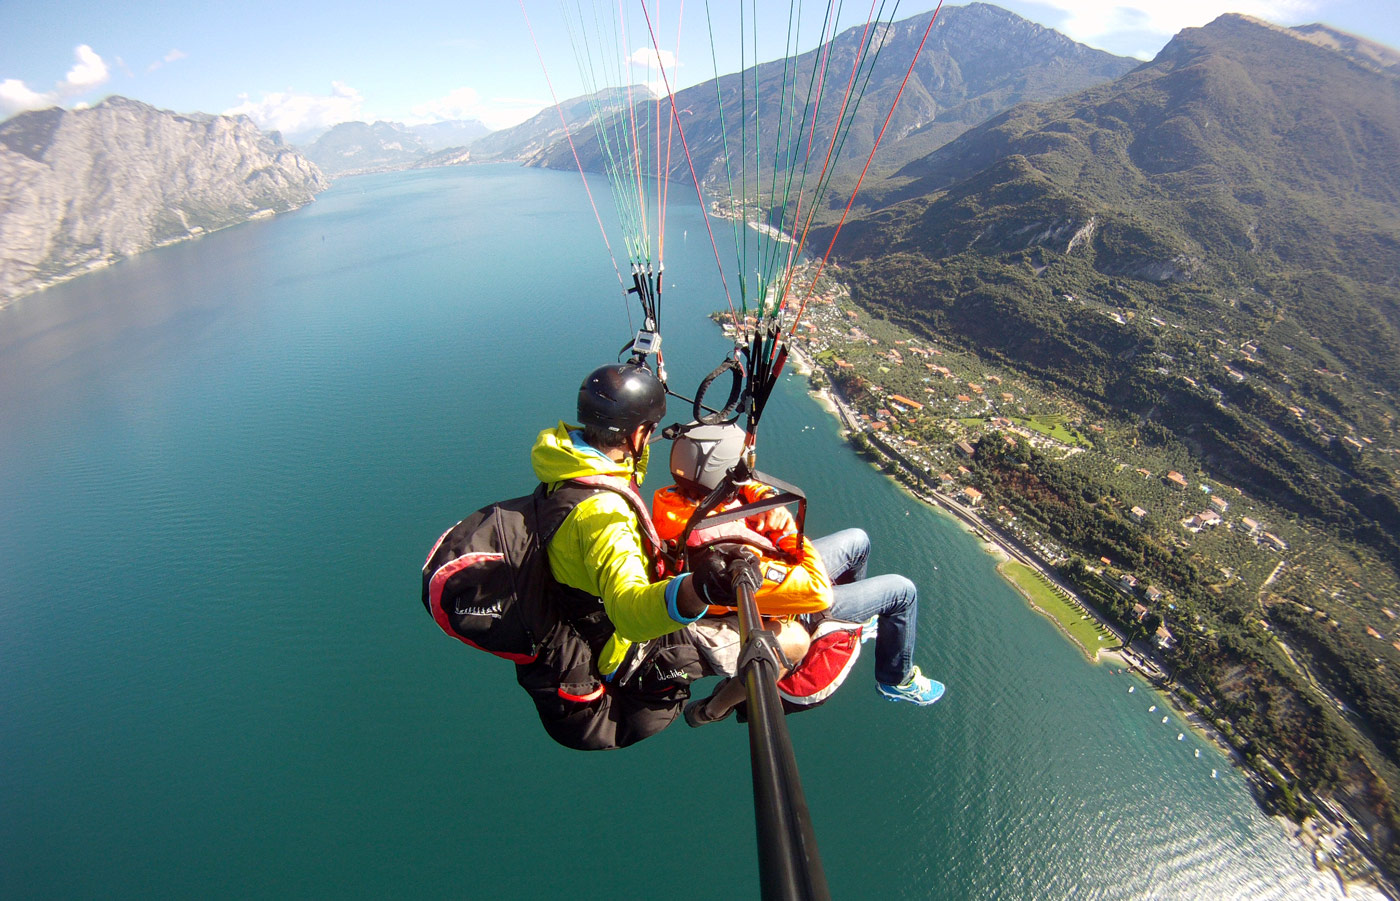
(355, 147)
(453, 133)
(1247, 182)
(1205, 254)
(1245, 157)
(81, 189)
(452, 156)
(543, 131)
(979, 60)
(1358, 50)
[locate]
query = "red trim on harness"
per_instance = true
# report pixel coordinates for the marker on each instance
(441, 539)
(435, 586)
(582, 699)
(833, 654)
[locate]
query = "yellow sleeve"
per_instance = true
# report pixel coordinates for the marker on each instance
(599, 550)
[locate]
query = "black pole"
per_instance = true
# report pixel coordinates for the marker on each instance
(789, 863)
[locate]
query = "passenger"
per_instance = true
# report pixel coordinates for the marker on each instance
(605, 550)
(829, 573)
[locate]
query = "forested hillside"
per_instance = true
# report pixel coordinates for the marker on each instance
(1205, 253)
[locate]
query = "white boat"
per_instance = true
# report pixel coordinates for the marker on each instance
(1164, 719)
(1198, 752)
(1212, 774)
(1180, 736)
(1130, 688)
(1152, 709)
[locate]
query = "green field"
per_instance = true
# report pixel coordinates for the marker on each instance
(1051, 426)
(1084, 629)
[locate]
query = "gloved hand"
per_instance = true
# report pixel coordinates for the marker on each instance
(716, 568)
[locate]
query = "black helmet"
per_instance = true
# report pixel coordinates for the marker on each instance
(621, 397)
(704, 453)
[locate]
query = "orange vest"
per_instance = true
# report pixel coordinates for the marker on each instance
(794, 577)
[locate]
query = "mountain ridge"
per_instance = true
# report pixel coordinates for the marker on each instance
(979, 59)
(82, 189)
(355, 148)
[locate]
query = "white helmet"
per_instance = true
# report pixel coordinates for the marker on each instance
(702, 454)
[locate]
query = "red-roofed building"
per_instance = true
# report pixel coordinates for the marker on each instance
(901, 399)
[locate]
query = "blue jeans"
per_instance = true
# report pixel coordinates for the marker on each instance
(892, 598)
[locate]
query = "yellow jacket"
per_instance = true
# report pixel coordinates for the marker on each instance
(600, 549)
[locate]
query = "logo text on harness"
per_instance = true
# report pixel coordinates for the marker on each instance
(491, 610)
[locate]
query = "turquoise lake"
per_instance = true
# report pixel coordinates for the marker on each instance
(221, 466)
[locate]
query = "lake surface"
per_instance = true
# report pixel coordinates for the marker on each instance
(221, 466)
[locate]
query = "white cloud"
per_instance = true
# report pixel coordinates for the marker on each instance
(649, 57)
(467, 103)
(90, 71)
(173, 56)
(15, 97)
(1095, 21)
(291, 113)
(655, 64)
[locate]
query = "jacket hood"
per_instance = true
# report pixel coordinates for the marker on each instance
(556, 458)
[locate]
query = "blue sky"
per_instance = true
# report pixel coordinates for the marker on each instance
(303, 64)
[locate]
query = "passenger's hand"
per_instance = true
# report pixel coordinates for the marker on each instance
(773, 524)
(792, 548)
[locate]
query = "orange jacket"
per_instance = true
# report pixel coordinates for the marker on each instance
(794, 578)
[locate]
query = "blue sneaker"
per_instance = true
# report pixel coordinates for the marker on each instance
(917, 689)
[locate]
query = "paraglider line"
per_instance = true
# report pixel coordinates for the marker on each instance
(584, 178)
(893, 106)
(699, 194)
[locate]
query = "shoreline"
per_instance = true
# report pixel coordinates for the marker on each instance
(998, 545)
(1024, 591)
(993, 541)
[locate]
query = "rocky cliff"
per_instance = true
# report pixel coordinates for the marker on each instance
(82, 189)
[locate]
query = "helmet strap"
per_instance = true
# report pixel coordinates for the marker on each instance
(634, 451)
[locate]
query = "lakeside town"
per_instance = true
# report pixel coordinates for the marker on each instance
(920, 409)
